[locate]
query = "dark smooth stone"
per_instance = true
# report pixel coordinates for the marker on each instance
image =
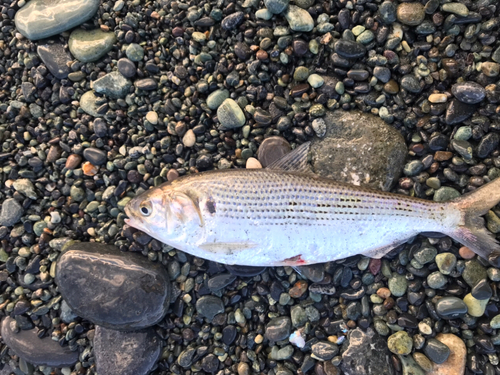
(233, 20)
(299, 89)
(388, 12)
(278, 329)
(383, 74)
(210, 363)
(262, 117)
(229, 334)
(349, 49)
(300, 47)
(365, 353)
(438, 142)
(95, 156)
(244, 271)
(411, 83)
(344, 17)
(100, 128)
(485, 344)
(209, 306)
(406, 320)
(314, 272)
(220, 281)
(134, 293)
(22, 306)
(358, 74)
(487, 144)
(458, 112)
(204, 22)
(146, 84)
(468, 92)
(56, 59)
(125, 353)
(41, 352)
(482, 290)
(272, 149)
(451, 308)
(436, 351)
(242, 50)
(126, 67)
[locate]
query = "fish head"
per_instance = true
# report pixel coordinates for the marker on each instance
(165, 213)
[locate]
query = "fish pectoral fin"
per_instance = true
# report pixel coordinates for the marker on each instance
(227, 247)
(295, 161)
(379, 252)
(185, 208)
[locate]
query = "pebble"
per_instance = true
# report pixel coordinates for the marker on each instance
(299, 19)
(495, 322)
(278, 329)
(135, 293)
(383, 74)
(114, 85)
(438, 98)
(146, 84)
(230, 115)
(436, 280)
(253, 163)
(88, 103)
(189, 138)
(475, 307)
(220, 281)
(473, 272)
(272, 149)
(487, 144)
(456, 8)
(216, 98)
(436, 351)
(349, 49)
(324, 350)
(446, 262)
(276, 6)
(11, 212)
(445, 193)
(233, 20)
(319, 127)
(25, 187)
(134, 52)
(455, 364)
(126, 353)
(490, 69)
(482, 290)
(410, 366)
(41, 19)
(469, 92)
(209, 307)
(42, 352)
(315, 80)
(398, 285)
(400, 343)
(410, 82)
(411, 14)
(95, 156)
(451, 308)
(126, 67)
(423, 361)
(90, 45)
(388, 12)
(457, 112)
(56, 59)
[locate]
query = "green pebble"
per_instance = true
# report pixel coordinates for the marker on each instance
(492, 222)
(298, 316)
(215, 99)
(315, 80)
(425, 254)
(410, 367)
(433, 182)
(365, 37)
(463, 133)
(494, 274)
(357, 30)
(92, 206)
(284, 299)
(123, 202)
(473, 272)
(3, 255)
(317, 110)
(381, 328)
(363, 264)
(134, 52)
(445, 193)
(436, 280)
(77, 194)
(29, 278)
(446, 262)
(400, 343)
(301, 73)
(339, 88)
(314, 46)
(475, 307)
(495, 322)
(397, 285)
(38, 227)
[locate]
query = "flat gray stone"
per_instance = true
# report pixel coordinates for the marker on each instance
(90, 45)
(125, 353)
(359, 149)
(114, 289)
(40, 19)
(11, 212)
(56, 59)
(40, 352)
(230, 115)
(114, 85)
(88, 104)
(299, 19)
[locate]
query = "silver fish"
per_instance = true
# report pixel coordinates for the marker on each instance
(285, 215)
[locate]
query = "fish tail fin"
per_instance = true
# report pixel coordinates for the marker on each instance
(471, 232)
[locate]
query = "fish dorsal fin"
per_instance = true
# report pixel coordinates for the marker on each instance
(295, 161)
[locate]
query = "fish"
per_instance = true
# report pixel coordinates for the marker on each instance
(285, 215)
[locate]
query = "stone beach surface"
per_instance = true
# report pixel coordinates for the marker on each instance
(100, 100)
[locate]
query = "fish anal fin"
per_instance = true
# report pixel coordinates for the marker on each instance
(227, 248)
(295, 161)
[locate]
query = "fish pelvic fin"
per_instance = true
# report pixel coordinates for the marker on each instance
(471, 232)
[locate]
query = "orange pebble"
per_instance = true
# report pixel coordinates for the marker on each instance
(298, 289)
(384, 293)
(466, 253)
(89, 169)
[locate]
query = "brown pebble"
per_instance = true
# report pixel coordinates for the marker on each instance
(443, 155)
(89, 169)
(73, 161)
(53, 154)
(411, 14)
(490, 69)
(272, 149)
(177, 31)
(374, 266)
(262, 55)
(466, 253)
(299, 89)
(391, 87)
(298, 289)
(384, 293)
(172, 174)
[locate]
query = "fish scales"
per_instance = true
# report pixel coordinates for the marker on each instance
(279, 216)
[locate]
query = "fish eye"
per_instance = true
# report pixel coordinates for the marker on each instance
(146, 208)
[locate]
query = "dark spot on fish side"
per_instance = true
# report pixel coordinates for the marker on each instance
(210, 206)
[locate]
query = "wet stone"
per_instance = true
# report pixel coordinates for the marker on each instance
(445, 193)
(349, 49)
(125, 353)
(56, 59)
(126, 67)
(134, 52)
(458, 112)
(468, 92)
(473, 272)
(475, 307)
(40, 19)
(383, 74)
(482, 290)
(410, 82)
(400, 343)
(299, 19)
(436, 351)
(215, 99)
(146, 84)
(88, 103)
(276, 6)
(410, 367)
(272, 149)
(11, 212)
(324, 350)
(209, 306)
(91, 45)
(278, 329)
(487, 144)
(139, 289)
(114, 85)
(27, 345)
(455, 364)
(388, 12)
(220, 281)
(233, 20)
(95, 156)
(210, 363)
(451, 308)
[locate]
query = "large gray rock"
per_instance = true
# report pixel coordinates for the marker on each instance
(41, 352)
(366, 353)
(40, 19)
(359, 149)
(125, 353)
(114, 85)
(114, 289)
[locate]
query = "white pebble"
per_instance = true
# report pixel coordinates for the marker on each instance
(319, 127)
(152, 117)
(189, 138)
(253, 163)
(55, 217)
